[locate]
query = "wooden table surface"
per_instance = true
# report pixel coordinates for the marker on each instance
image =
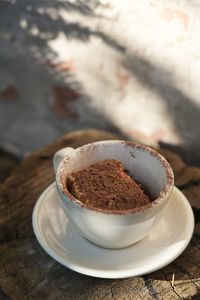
(27, 272)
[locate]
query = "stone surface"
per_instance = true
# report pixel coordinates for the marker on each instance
(27, 272)
(135, 65)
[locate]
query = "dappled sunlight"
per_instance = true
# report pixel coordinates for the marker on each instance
(102, 71)
(124, 67)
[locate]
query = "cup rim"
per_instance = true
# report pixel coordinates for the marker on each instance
(164, 193)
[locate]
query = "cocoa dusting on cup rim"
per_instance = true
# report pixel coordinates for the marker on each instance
(164, 162)
(166, 191)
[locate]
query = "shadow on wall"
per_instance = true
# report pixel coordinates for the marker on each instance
(185, 113)
(35, 23)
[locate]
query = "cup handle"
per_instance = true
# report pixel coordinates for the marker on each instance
(59, 155)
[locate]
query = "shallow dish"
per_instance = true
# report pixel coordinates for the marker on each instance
(165, 242)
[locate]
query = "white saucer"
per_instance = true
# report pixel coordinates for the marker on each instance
(166, 242)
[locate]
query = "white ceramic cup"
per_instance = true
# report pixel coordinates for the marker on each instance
(120, 228)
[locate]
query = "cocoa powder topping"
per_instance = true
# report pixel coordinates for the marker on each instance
(106, 185)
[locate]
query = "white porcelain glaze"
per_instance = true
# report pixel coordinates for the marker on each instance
(115, 229)
(165, 242)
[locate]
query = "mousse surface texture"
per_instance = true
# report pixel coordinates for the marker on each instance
(106, 185)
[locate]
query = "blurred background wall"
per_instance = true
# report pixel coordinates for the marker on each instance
(131, 67)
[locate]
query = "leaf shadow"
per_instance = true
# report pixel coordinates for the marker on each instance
(33, 25)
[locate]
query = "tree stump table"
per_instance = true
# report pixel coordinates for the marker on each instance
(27, 272)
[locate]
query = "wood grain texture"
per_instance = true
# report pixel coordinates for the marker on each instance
(7, 163)
(27, 272)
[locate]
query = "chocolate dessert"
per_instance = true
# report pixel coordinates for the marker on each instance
(106, 185)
